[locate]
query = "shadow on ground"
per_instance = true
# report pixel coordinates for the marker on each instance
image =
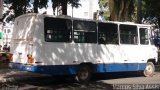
(46, 82)
(35, 81)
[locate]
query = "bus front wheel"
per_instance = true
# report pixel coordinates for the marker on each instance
(84, 73)
(149, 70)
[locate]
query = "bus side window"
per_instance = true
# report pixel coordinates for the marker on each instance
(144, 36)
(107, 33)
(128, 34)
(101, 41)
(84, 31)
(57, 29)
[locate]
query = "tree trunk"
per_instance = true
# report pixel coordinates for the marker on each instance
(139, 11)
(16, 8)
(35, 6)
(113, 10)
(55, 3)
(64, 8)
(126, 10)
(119, 10)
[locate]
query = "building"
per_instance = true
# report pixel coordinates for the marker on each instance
(7, 34)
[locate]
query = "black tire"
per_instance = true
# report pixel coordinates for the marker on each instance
(84, 73)
(149, 70)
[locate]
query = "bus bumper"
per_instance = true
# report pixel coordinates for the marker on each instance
(46, 69)
(23, 67)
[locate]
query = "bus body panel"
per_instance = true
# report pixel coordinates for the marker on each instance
(38, 41)
(22, 38)
(64, 58)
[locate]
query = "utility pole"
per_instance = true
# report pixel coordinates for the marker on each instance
(90, 9)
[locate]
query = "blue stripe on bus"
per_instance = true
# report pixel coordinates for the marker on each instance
(119, 67)
(72, 69)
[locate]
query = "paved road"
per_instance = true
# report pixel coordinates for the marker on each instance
(21, 80)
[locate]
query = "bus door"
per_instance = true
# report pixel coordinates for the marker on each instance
(108, 55)
(130, 56)
(129, 46)
(108, 47)
(146, 50)
(85, 39)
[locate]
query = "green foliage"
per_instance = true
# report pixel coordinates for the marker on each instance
(39, 4)
(152, 8)
(20, 6)
(137, 9)
(63, 3)
(103, 4)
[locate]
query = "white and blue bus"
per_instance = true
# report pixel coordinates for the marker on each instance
(80, 47)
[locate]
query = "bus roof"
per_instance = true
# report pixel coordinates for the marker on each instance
(69, 17)
(128, 23)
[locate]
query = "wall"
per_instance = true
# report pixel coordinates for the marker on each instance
(7, 34)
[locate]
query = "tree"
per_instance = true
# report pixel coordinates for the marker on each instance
(104, 7)
(120, 10)
(152, 8)
(63, 4)
(35, 6)
(19, 6)
(139, 11)
(39, 4)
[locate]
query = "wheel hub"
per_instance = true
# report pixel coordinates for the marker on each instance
(149, 69)
(84, 74)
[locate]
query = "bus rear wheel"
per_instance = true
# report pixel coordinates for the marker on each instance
(84, 73)
(149, 70)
